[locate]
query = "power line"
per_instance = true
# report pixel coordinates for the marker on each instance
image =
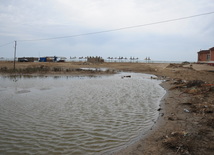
(6, 44)
(117, 29)
(123, 28)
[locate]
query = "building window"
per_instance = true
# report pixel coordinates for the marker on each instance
(208, 57)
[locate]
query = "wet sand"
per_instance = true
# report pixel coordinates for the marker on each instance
(186, 121)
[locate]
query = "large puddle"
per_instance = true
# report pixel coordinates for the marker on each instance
(76, 115)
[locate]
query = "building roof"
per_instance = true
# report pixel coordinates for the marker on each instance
(204, 51)
(212, 48)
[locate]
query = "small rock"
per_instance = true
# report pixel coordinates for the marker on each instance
(159, 109)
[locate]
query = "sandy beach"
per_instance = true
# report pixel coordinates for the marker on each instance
(186, 120)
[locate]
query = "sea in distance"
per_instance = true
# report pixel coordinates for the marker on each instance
(76, 115)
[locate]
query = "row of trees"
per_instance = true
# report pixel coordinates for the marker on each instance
(120, 59)
(115, 59)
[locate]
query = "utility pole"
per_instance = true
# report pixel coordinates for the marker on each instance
(14, 62)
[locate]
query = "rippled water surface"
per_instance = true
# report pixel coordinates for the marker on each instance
(75, 115)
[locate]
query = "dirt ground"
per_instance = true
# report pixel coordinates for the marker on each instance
(186, 122)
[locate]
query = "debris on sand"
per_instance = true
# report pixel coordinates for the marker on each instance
(203, 108)
(178, 86)
(194, 86)
(152, 77)
(193, 90)
(174, 65)
(200, 104)
(178, 81)
(186, 110)
(177, 141)
(194, 83)
(210, 123)
(126, 76)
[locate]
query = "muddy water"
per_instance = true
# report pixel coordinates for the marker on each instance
(75, 115)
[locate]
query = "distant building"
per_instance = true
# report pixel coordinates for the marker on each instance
(46, 59)
(206, 56)
(52, 59)
(95, 59)
(28, 59)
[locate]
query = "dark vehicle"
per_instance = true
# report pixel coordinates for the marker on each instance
(61, 60)
(23, 60)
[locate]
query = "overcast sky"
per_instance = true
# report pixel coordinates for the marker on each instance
(179, 40)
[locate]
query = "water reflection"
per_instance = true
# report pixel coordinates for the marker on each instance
(17, 77)
(75, 115)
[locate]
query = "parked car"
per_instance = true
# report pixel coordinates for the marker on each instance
(23, 60)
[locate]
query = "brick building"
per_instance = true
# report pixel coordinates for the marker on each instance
(206, 56)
